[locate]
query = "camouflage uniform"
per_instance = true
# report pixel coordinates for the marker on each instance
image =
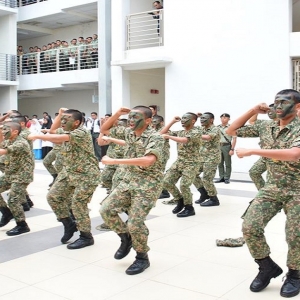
(138, 191)
(210, 159)
(78, 179)
(260, 166)
(113, 151)
(18, 174)
(281, 191)
(54, 156)
(166, 150)
(185, 167)
(256, 171)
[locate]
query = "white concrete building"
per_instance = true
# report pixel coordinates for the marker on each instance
(200, 55)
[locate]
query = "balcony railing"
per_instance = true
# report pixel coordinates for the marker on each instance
(8, 67)
(28, 2)
(145, 29)
(9, 3)
(58, 60)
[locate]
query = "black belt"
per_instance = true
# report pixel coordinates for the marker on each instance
(225, 144)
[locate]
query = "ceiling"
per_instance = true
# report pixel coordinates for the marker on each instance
(68, 17)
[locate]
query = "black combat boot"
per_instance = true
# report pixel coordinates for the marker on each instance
(291, 285)
(213, 201)
(6, 216)
(179, 207)
(70, 228)
(54, 177)
(187, 212)
(126, 245)
(85, 239)
(203, 195)
(268, 269)
(164, 194)
(29, 201)
(21, 227)
(26, 206)
(140, 264)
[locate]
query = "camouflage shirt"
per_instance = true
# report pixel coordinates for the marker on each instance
(188, 152)
(210, 150)
(19, 164)
(150, 142)
(166, 149)
(24, 134)
(282, 174)
(79, 160)
(115, 150)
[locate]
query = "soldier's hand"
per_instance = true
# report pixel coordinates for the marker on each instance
(261, 108)
(62, 110)
(165, 136)
(176, 119)
(231, 152)
(123, 111)
(105, 139)
(241, 152)
(106, 160)
(32, 137)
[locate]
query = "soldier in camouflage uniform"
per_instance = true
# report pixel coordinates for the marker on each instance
(186, 165)
(78, 179)
(54, 156)
(140, 187)
(280, 143)
(18, 174)
(260, 166)
(157, 124)
(210, 158)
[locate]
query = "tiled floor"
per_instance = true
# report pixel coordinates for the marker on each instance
(185, 261)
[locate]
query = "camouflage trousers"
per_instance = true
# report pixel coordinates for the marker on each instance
(107, 175)
(64, 197)
(53, 156)
(15, 199)
(256, 171)
(209, 171)
(136, 198)
(268, 202)
(187, 174)
(118, 176)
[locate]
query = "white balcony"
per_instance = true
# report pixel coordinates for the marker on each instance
(8, 7)
(8, 69)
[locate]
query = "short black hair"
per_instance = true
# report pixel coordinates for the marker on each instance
(158, 117)
(210, 114)
(145, 109)
(94, 113)
(107, 115)
(76, 114)
(195, 117)
(19, 119)
(14, 126)
(294, 93)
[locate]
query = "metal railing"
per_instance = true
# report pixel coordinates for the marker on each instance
(145, 29)
(58, 60)
(296, 74)
(9, 3)
(8, 67)
(28, 2)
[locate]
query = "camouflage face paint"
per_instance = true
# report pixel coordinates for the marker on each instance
(67, 122)
(204, 120)
(6, 132)
(272, 113)
(186, 120)
(155, 122)
(122, 123)
(136, 120)
(284, 105)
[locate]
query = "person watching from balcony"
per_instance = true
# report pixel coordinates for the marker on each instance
(43, 67)
(157, 5)
(94, 52)
(81, 49)
(32, 61)
(73, 55)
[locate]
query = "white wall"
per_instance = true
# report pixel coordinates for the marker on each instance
(141, 82)
(66, 33)
(227, 57)
(8, 98)
(80, 99)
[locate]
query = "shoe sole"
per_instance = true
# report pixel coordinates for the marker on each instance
(9, 234)
(190, 215)
(289, 295)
